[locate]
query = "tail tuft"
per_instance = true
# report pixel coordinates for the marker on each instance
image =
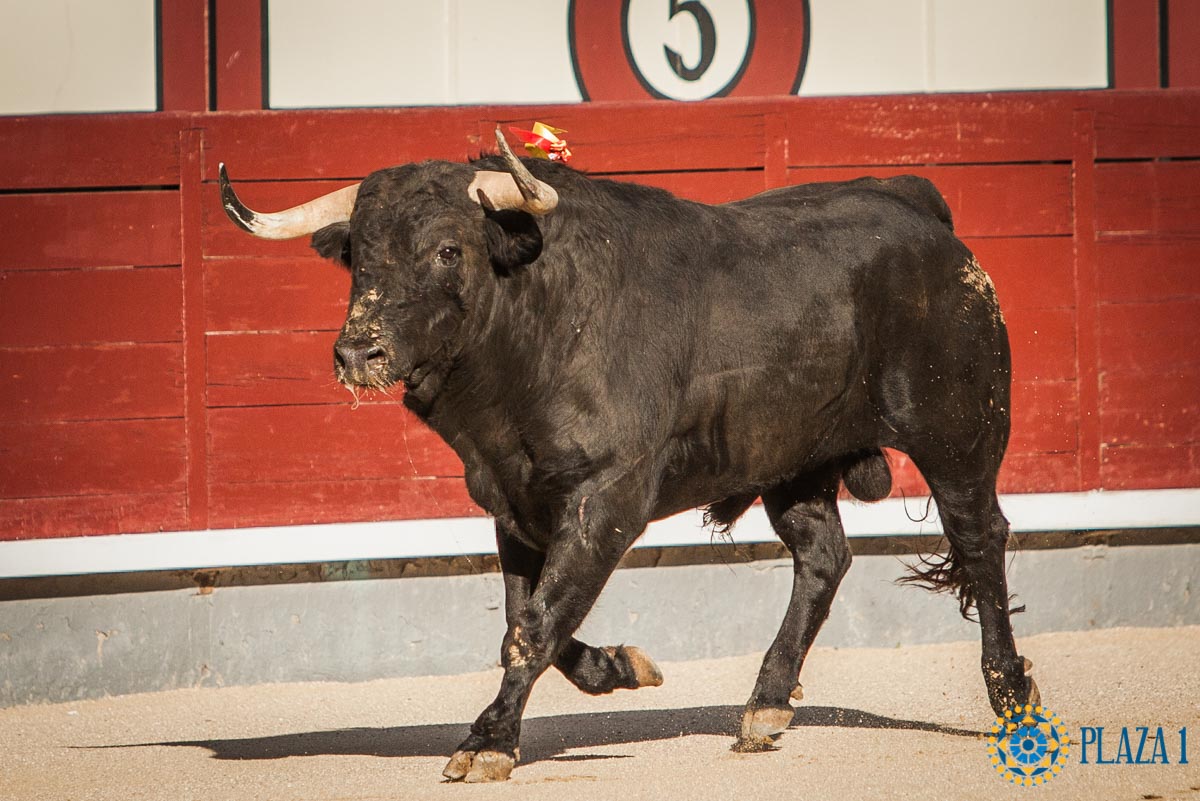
(943, 573)
(724, 513)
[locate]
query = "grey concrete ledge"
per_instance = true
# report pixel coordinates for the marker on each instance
(86, 646)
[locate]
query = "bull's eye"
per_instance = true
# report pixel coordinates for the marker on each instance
(449, 255)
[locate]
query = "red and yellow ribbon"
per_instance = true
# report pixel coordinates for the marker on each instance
(544, 142)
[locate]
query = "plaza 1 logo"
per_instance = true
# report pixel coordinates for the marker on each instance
(687, 49)
(1029, 745)
(1135, 745)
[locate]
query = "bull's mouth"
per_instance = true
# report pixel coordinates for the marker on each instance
(382, 379)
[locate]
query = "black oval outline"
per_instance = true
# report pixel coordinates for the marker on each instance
(723, 91)
(804, 45)
(585, 97)
(583, 92)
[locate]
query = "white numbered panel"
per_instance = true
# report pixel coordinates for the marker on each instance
(77, 55)
(439, 52)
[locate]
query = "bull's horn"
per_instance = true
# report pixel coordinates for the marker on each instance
(290, 223)
(515, 189)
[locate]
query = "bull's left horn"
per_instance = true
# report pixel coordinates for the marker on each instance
(289, 223)
(515, 189)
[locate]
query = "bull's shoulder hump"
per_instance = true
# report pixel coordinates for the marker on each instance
(914, 191)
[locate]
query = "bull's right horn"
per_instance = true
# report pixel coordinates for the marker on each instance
(290, 223)
(514, 189)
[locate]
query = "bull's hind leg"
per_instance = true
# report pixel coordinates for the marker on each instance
(804, 514)
(593, 670)
(974, 569)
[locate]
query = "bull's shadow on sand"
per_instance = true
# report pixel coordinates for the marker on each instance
(541, 738)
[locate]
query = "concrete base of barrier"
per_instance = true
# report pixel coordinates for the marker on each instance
(57, 647)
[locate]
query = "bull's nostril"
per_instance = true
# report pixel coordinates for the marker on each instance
(353, 359)
(342, 356)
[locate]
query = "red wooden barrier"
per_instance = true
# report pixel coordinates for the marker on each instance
(161, 370)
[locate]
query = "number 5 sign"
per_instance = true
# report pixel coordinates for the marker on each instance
(687, 49)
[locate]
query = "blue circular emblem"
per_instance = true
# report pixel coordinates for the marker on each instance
(1029, 745)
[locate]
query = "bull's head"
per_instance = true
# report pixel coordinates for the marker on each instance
(418, 241)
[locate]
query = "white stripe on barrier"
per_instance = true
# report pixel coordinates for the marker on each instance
(408, 539)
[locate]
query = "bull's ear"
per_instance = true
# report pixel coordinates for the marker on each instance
(513, 239)
(333, 242)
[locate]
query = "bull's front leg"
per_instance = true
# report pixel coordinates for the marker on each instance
(593, 670)
(588, 545)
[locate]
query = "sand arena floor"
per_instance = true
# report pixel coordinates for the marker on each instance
(875, 723)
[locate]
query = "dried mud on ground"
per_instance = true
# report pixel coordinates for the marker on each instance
(893, 723)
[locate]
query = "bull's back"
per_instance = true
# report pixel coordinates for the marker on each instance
(917, 192)
(786, 352)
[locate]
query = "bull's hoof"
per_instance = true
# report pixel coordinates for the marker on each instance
(479, 766)
(645, 672)
(760, 727)
(797, 692)
(1035, 695)
(1007, 691)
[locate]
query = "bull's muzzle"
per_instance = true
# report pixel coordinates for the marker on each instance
(360, 363)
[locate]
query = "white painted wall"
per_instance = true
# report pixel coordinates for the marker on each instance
(77, 55)
(436, 52)
(377, 52)
(99, 55)
(882, 46)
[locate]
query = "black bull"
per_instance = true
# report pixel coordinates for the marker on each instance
(615, 355)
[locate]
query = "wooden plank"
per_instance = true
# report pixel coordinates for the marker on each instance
(1045, 417)
(97, 382)
(647, 136)
(53, 151)
(335, 143)
(718, 186)
(931, 129)
(1154, 198)
(1149, 338)
(1159, 410)
(83, 515)
(1043, 344)
(1011, 261)
(300, 503)
(248, 294)
(263, 369)
(239, 56)
(93, 229)
(986, 200)
(1086, 294)
(183, 29)
(193, 303)
(106, 457)
(1134, 48)
(1040, 472)
(1139, 270)
(1183, 33)
(43, 308)
(1147, 124)
(222, 238)
(328, 443)
(1150, 467)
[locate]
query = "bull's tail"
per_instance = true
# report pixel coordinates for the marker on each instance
(724, 513)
